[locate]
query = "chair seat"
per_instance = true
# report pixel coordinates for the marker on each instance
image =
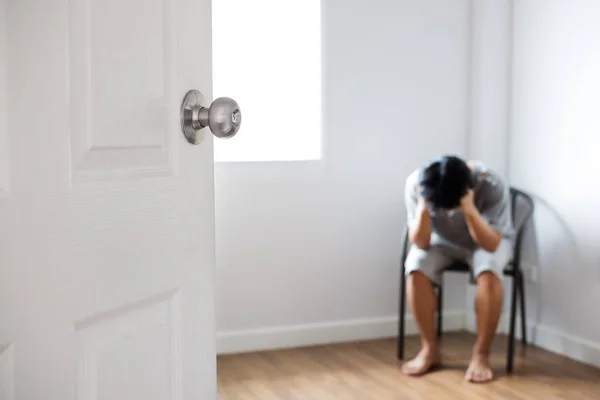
(460, 266)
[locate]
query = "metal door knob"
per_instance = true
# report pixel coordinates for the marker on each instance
(223, 117)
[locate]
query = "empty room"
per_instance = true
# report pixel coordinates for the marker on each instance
(301, 199)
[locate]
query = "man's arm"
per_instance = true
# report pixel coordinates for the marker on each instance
(419, 231)
(418, 219)
(482, 233)
(487, 228)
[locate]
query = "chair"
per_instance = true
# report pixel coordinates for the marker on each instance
(519, 201)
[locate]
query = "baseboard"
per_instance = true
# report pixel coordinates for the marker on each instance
(323, 333)
(550, 339)
(570, 346)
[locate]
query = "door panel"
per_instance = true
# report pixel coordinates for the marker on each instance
(107, 232)
(3, 106)
(109, 345)
(7, 372)
(123, 77)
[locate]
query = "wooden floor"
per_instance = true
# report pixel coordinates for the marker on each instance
(369, 370)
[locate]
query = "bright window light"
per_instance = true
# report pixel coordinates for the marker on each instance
(267, 56)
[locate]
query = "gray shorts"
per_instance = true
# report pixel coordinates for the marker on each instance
(432, 261)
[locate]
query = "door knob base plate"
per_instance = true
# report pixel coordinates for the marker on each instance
(191, 105)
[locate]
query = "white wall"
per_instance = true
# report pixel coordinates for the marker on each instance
(489, 81)
(554, 155)
(489, 99)
(309, 251)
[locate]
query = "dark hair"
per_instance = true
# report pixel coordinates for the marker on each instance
(445, 181)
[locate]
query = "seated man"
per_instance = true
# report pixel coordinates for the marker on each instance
(457, 211)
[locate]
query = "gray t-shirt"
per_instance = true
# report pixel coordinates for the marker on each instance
(492, 199)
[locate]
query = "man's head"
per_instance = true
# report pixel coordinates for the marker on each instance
(445, 181)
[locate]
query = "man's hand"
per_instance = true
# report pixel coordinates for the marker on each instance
(481, 232)
(422, 206)
(467, 203)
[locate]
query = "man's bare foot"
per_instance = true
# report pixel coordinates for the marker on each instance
(479, 370)
(422, 363)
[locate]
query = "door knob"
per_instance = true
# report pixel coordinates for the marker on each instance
(223, 117)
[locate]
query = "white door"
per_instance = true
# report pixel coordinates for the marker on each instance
(106, 211)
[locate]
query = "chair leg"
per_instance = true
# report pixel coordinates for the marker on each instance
(440, 308)
(523, 316)
(401, 313)
(513, 311)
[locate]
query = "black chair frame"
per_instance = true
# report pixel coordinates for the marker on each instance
(513, 269)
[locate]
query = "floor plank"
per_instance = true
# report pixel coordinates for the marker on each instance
(369, 370)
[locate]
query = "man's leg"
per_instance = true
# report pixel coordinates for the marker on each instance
(423, 267)
(488, 307)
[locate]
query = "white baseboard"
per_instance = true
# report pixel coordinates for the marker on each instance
(323, 333)
(570, 346)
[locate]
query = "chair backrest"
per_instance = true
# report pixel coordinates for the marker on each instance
(522, 207)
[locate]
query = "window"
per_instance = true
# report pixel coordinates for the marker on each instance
(267, 56)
